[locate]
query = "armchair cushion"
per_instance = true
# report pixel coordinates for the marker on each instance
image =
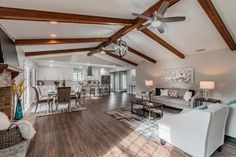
(233, 102)
(202, 107)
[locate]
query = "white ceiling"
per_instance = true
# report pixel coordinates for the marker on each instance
(197, 32)
(227, 13)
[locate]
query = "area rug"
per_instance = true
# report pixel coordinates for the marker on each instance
(43, 109)
(145, 126)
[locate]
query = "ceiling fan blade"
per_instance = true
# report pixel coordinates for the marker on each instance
(142, 16)
(109, 51)
(173, 19)
(161, 29)
(144, 26)
(94, 51)
(161, 11)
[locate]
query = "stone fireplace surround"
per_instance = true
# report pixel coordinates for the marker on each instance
(7, 103)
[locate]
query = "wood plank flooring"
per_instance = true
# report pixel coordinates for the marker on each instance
(92, 133)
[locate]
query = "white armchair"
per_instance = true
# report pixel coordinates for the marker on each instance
(231, 122)
(197, 132)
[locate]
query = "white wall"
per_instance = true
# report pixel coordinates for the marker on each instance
(218, 66)
(28, 96)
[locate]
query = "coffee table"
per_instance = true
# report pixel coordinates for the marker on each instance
(147, 106)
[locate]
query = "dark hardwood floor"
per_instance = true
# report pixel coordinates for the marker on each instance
(93, 133)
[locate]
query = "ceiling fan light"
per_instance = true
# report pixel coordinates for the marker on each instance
(102, 52)
(156, 23)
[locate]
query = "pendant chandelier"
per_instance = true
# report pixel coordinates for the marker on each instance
(120, 48)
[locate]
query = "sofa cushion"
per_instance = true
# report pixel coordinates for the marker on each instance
(164, 92)
(193, 92)
(181, 93)
(187, 95)
(178, 101)
(161, 99)
(158, 91)
(173, 93)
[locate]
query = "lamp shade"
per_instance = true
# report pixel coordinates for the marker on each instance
(148, 83)
(207, 85)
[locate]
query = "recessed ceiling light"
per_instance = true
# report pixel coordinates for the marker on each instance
(53, 35)
(51, 61)
(51, 65)
(53, 22)
(200, 50)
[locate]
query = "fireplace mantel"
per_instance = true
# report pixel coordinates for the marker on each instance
(8, 68)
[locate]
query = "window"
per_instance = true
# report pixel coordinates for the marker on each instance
(78, 76)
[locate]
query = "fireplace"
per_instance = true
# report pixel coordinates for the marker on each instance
(7, 102)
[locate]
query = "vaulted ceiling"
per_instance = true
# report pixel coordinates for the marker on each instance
(197, 32)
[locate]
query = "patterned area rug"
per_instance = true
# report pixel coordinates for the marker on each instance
(43, 109)
(145, 126)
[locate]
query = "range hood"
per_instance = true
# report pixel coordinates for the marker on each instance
(90, 71)
(8, 53)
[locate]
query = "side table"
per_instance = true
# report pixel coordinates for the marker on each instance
(200, 101)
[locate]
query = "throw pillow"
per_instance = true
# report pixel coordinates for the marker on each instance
(4, 121)
(203, 107)
(164, 92)
(173, 93)
(158, 91)
(233, 102)
(187, 95)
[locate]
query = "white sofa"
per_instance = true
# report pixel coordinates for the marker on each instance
(197, 132)
(231, 122)
(179, 102)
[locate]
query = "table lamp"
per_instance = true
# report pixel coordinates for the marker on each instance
(206, 86)
(149, 84)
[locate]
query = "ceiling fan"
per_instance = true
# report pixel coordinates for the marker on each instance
(157, 19)
(120, 49)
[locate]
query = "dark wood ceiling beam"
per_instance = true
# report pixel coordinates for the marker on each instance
(212, 13)
(37, 15)
(137, 24)
(56, 52)
(141, 55)
(58, 41)
(122, 59)
(162, 42)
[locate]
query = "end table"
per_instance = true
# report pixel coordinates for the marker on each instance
(199, 101)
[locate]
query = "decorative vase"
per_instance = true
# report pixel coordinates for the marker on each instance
(18, 113)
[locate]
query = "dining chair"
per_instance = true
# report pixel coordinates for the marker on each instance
(40, 99)
(92, 92)
(63, 97)
(106, 91)
(100, 91)
(83, 92)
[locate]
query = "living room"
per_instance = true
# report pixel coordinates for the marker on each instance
(117, 78)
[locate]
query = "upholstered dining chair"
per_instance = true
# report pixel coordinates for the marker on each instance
(63, 97)
(40, 99)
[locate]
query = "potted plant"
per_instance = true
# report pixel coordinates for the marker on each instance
(63, 83)
(18, 90)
